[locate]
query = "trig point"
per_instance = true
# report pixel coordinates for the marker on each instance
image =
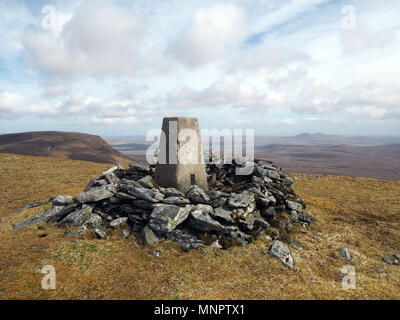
(180, 157)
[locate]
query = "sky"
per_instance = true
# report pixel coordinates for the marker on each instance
(116, 68)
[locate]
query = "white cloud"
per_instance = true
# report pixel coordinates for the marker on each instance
(101, 39)
(227, 91)
(214, 31)
(361, 41)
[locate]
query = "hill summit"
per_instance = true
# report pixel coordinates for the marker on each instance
(68, 145)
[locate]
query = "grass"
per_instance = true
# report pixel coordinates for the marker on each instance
(359, 213)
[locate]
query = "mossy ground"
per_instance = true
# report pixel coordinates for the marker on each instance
(359, 213)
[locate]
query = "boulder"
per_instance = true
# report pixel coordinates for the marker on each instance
(280, 251)
(62, 200)
(116, 222)
(147, 182)
(94, 221)
(305, 217)
(391, 260)
(241, 200)
(124, 234)
(185, 240)
(172, 192)
(176, 200)
(78, 216)
(166, 217)
(149, 237)
(197, 195)
(345, 253)
(44, 216)
(223, 213)
(146, 194)
(95, 194)
(100, 233)
(292, 205)
(201, 219)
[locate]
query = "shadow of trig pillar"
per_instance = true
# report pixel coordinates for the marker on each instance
(180, 157)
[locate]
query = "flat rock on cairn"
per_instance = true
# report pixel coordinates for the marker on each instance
(234, 211)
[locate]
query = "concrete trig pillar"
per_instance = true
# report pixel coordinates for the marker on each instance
(180, 157)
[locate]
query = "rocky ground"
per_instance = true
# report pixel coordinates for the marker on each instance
(355, 224)
(236, 210)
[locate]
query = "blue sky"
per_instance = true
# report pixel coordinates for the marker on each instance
(280, 67)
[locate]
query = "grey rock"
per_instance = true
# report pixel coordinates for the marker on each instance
(263, 201)
(218, 202)
(96, 183)
(214, 194)
(268, 213)
(391, 260)
(35, 204)
(62, 200)
(240, 236)
(292, 205)
(297, 245)
(44, 216)
(345, 253)
(259, 222)
(146, 194)
(138, 168)
(247, 223)
(294, 216)
(184, 239)
(143, 204)
(81, 230)
(78, 217)
(100, 233)
(124, 196)
(381, 271)
(280, 251)
(223, 213)
(166, 217)
(94, 221)
(156, 253)
(201, 219)
(63, 212)
(197, 195)
(146, 182)
(305, 217)
(149, 237)
(176, 200)
(124, 234)
(95, 194)
(241, 200)
(397, 256)
(111, 178)
(267, 173)
(116, 222)
(172, 192)
(113, 169)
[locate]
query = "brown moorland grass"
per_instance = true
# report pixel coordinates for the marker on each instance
(359, 213)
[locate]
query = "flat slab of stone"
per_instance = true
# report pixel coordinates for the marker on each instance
(166, 217)
(280, 251)
(94, 195)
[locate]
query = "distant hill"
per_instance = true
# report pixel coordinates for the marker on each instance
(68, 145)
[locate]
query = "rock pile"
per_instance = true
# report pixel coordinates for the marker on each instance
(235, 211)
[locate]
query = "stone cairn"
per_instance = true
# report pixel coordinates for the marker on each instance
(234, 211)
